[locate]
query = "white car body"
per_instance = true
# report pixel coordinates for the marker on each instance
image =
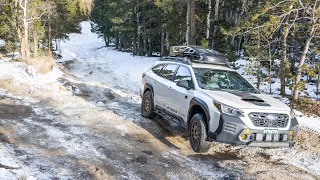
(176, 102)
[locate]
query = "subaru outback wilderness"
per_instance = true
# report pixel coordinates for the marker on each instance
(215, 103)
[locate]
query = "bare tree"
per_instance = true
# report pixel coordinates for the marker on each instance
(209, 19)
(216, 18)
(24, 38)
(191, 23)
(312, 14)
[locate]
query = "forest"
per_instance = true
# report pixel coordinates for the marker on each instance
(31, 26)
(279, 35)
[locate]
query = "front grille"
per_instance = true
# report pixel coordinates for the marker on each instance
(262, 120)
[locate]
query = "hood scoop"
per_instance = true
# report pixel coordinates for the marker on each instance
(250, 98)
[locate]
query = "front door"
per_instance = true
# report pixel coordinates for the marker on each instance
(181, 97)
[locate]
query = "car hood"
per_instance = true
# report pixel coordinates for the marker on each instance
(245, 100)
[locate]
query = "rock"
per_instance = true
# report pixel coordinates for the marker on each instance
(4, 138)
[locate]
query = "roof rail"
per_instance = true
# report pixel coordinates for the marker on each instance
(176, 59)
(185, 60)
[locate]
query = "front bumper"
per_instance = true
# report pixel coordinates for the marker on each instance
(232, 129)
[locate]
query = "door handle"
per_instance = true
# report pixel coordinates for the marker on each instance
(170, 88)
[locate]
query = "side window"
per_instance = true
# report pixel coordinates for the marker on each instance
(158, 68)
(183, 73)
(168, 71)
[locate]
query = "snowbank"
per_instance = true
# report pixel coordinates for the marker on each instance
(27, 74)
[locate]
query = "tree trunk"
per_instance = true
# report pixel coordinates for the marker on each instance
(188, 23)
(284, 58)
(270, 69)
(145, 46)
(167, 42)
(239, 45)
(302, 59)
(150, 50)
(258, 75)
(216, 18)
(120, 43)
(56, 42)
(134, 49)
(138, 29)
(24, 38)
(209, 19)
(105, 41)
(318, 82)
(236, 22)
(192, 22)
(162, 45)
(117, 41)
(35, 46)
(50, 41)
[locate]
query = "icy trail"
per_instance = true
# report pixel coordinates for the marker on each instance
(85, 123)
(94, 63)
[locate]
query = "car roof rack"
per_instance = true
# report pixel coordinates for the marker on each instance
(198, 54)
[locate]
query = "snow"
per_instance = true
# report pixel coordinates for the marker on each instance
(242, 65)
(107, 65)
(310, 123)
(13, 168)
(99, 66)
(2, 43)
(26, 74)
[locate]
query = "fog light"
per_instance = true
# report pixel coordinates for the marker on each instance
(269, 137)
(291, 138)
(247, 131)
(276, 137)
(291, 132)
(244, 136)
(259, 137)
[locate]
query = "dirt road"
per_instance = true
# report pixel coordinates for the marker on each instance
(90, 127)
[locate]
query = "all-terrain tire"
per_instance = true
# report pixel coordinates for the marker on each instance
(147, 105)
(198, 134)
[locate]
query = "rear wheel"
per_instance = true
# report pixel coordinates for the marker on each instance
(198, 134)
(147, 105)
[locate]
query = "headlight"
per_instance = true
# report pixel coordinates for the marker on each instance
(227, 109)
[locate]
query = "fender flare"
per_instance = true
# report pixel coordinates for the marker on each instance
(148, 86)
(196, 101)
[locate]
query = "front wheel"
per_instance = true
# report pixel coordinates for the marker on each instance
(198, 134)
(147, 105)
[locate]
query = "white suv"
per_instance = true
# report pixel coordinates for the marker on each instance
(215, 103)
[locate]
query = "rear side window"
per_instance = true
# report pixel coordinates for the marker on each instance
(168, 71)
(158, 68)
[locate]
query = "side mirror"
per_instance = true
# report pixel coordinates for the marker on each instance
(184, 84)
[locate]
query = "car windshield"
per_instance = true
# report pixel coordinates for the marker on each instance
(222, 80)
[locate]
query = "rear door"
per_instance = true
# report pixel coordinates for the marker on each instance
(164, 86)
(155, 80)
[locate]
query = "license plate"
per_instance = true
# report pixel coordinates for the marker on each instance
(270, 131)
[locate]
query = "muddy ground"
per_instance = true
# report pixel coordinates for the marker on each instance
(92, 131)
